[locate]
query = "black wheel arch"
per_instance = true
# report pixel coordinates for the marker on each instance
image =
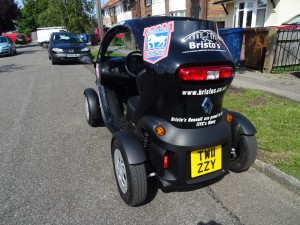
(240, 126)
(131, 145)
(93, 100)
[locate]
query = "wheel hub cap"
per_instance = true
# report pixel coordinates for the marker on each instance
(87, 112)
(120, 171)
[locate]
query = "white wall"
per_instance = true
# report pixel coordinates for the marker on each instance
(124, 16)
(176, 5)
(158, 8)
(229, 18)
(284, 10)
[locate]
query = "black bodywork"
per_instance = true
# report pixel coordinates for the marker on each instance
(133, 104)
(64, 46)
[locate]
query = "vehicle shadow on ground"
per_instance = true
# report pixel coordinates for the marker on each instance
(296, 74)
(26, 52)
(196, 187)
(27, 46)
(154, 185)
(212, 222)
(11, 68)
(67, 63)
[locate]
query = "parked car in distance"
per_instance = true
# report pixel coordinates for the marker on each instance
(291, 24)
(20, 39)
(7, 47)
(28, 39)
(12, 36)
(97, 32)
(295, 20)
(84, 37)
(64, 46)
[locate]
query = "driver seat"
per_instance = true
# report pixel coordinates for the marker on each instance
(132, 102)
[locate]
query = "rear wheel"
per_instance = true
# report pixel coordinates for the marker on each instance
(131, 179)
(245, 154)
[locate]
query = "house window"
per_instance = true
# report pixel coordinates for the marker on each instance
(249, 13)
(244, 14)
(119, 9)
(148, 2)
(178, 13)
(261, 13)
(112, 11)
(106, 13)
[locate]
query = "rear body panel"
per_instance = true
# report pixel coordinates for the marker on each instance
(191, 112)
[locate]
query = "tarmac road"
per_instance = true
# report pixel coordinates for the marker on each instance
(55, 169)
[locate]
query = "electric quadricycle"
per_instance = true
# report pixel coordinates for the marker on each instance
(159, 91)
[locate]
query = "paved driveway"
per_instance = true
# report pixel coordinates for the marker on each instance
(55, 169)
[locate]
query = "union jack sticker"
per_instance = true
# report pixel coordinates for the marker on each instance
(157, 41)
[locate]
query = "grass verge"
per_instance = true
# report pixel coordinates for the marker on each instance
(94, 56)
(277, 121)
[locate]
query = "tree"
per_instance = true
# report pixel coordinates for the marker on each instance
(31, 12)
(9, 13)
(75, 15)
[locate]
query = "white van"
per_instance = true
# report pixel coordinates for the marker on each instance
(43, 34)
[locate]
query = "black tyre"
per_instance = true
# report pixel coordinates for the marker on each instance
(11, 51)
(246, 152)
(54, 62)
(91, 122)
(44, 45)
(131, 179)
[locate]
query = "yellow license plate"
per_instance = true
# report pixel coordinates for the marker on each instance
(206, 161)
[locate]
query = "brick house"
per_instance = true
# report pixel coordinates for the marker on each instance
(116, 11)
(202, 9)
(113, 11)
(258, 13)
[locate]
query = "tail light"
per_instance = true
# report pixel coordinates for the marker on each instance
(204, 73)
(166, 161)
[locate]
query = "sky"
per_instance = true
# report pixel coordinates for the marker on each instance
(19, 2)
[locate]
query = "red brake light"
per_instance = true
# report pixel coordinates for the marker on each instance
(204, 73)
(166, 161)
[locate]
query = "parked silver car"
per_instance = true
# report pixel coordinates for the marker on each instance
(7, 47)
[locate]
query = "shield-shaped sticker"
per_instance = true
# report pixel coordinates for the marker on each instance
(157, 41)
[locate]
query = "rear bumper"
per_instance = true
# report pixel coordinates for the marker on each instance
(178, 144)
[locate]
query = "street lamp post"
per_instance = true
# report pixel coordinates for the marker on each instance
(99, 15)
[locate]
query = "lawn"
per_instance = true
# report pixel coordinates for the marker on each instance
(277, 121)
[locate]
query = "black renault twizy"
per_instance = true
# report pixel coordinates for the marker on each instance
(160, 84)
